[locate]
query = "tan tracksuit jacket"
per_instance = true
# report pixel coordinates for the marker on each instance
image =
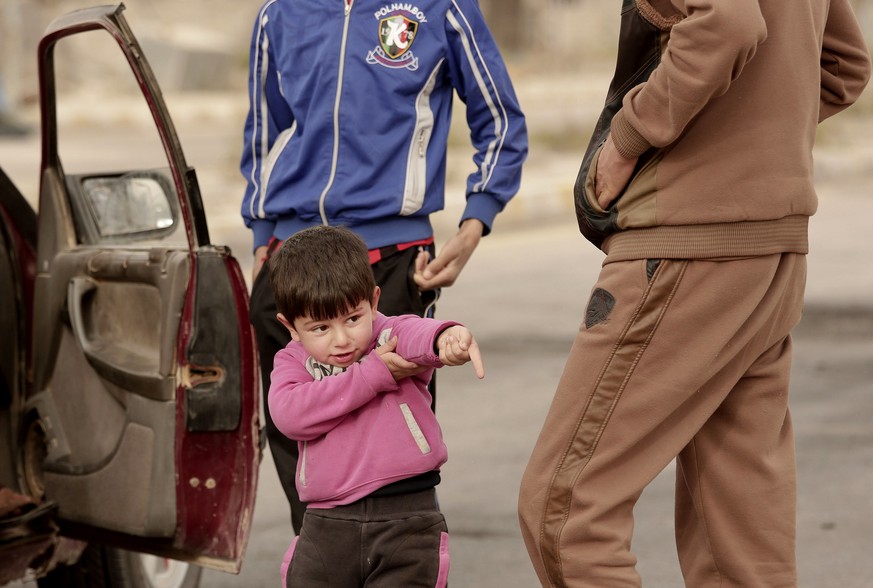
(724, 130)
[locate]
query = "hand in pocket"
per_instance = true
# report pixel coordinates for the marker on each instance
(613, 173)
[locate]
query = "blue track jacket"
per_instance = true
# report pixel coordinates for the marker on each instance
(351, 104)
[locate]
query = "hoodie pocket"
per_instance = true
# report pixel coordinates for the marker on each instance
(594, 222)
(589, 185)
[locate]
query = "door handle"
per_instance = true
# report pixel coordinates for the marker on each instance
(77, 290)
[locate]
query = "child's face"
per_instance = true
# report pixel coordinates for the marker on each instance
(339, 341)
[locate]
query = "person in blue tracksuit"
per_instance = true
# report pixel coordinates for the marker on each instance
(350, 109)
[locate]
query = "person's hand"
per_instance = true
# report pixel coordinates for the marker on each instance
(400, 368)
(258, 263)
(457, 346)
(453, 256)
(613, 173)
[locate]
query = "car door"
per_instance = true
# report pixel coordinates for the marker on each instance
(144, 379)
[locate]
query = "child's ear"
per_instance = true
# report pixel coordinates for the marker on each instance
(294, 335)
(377, 291)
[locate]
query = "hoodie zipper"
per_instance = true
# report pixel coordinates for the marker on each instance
(336, 107)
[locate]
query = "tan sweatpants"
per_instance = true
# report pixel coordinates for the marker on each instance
(687, 360)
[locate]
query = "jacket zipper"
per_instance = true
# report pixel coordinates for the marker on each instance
(416, 162)
(336, 106)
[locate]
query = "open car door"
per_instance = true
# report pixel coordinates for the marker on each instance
(144, 366)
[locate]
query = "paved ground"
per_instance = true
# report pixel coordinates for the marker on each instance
(525, 328)
(523, 294)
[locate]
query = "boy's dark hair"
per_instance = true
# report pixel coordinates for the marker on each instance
(322, 272)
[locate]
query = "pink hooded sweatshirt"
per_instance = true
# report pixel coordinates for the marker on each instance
(357, 429)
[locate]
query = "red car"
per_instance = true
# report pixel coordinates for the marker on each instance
(128, 380)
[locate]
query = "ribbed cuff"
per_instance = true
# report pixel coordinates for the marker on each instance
(484, 207)
(262, 230)
(628, 141)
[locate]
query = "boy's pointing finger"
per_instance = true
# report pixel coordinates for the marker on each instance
(476, 358)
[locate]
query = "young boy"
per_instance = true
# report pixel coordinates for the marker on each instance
(351, 389)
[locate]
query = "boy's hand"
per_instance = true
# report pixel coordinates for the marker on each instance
(457, 346)
(445, 269)
(400, 368)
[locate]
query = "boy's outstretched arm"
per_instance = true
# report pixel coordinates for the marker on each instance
(398, 366)
(457, 346)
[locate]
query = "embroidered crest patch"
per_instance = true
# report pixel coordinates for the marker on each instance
(396, 34)
(397, 29)
(599, 307)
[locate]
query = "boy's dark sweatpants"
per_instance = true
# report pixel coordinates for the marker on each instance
(382, 542)
(400, 295)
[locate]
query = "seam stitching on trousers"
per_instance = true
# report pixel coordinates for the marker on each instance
(570, 443)
(556, 563)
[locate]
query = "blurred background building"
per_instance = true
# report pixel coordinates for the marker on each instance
(202, 45)
(560, 54)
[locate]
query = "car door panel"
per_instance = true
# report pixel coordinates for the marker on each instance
(113, 406)
(123, 308)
